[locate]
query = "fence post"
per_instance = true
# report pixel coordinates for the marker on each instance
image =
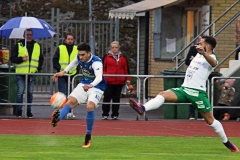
(116, 29)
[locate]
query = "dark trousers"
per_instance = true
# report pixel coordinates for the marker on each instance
(192, 112)
(219, 112)
(63, 85)
(237, 53)
(112, 92)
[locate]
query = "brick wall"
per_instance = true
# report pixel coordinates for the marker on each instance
(225, 40)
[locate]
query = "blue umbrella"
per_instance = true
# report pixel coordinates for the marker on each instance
(15, 27)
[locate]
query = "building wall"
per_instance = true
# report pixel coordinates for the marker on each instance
(155, 66)
(225, 40)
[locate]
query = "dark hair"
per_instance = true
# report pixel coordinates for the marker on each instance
(68, 34)
(84, 47)
(29, 29)
(210, 40)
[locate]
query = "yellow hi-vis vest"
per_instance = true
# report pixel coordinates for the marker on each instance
(26, 66)
(65, 59)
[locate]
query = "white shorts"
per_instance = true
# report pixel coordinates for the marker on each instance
(93, 94)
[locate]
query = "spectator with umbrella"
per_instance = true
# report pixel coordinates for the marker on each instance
(29, 61)
(26, 54)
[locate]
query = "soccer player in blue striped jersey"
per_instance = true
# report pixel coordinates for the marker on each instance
(89, 90)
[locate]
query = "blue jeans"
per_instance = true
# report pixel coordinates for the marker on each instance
(63, 85)
(20, 79)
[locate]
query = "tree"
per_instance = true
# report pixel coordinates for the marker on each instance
(100, 11)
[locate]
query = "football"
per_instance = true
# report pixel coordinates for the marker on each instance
(58, 100)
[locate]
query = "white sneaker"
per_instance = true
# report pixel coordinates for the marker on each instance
(192, 118)
(200, 119)
(104, 118)
(115, 118)
(70, 116)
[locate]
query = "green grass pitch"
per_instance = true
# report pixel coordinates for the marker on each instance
(24, 147)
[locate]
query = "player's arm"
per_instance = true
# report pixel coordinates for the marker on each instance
(98, 71)
(58, 74)
(71, 65)
(210, 59)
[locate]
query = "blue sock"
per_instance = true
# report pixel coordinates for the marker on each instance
(90, 121)
(63, 112)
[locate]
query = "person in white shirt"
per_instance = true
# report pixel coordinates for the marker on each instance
(193, 90)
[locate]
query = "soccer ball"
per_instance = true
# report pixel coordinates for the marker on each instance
(58, 100)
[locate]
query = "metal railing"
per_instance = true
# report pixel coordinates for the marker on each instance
(25, 104)
(118, 75)
(212, 91)
(141, 94)
(215, 33)
(229, 55)
(161, 76)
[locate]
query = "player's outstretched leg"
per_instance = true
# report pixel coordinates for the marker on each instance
(150, 105)
(55, 116)
(59, 114)
(231, 146)
(87, 142)
(136, 106)
(218, 128)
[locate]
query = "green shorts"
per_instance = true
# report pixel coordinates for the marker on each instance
(198, 98)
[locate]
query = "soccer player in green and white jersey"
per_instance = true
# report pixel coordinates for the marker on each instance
(193, 90)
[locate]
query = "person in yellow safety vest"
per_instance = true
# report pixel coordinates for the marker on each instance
(64, 54)
(27, 60)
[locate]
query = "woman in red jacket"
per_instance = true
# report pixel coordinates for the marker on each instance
(114, 63)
